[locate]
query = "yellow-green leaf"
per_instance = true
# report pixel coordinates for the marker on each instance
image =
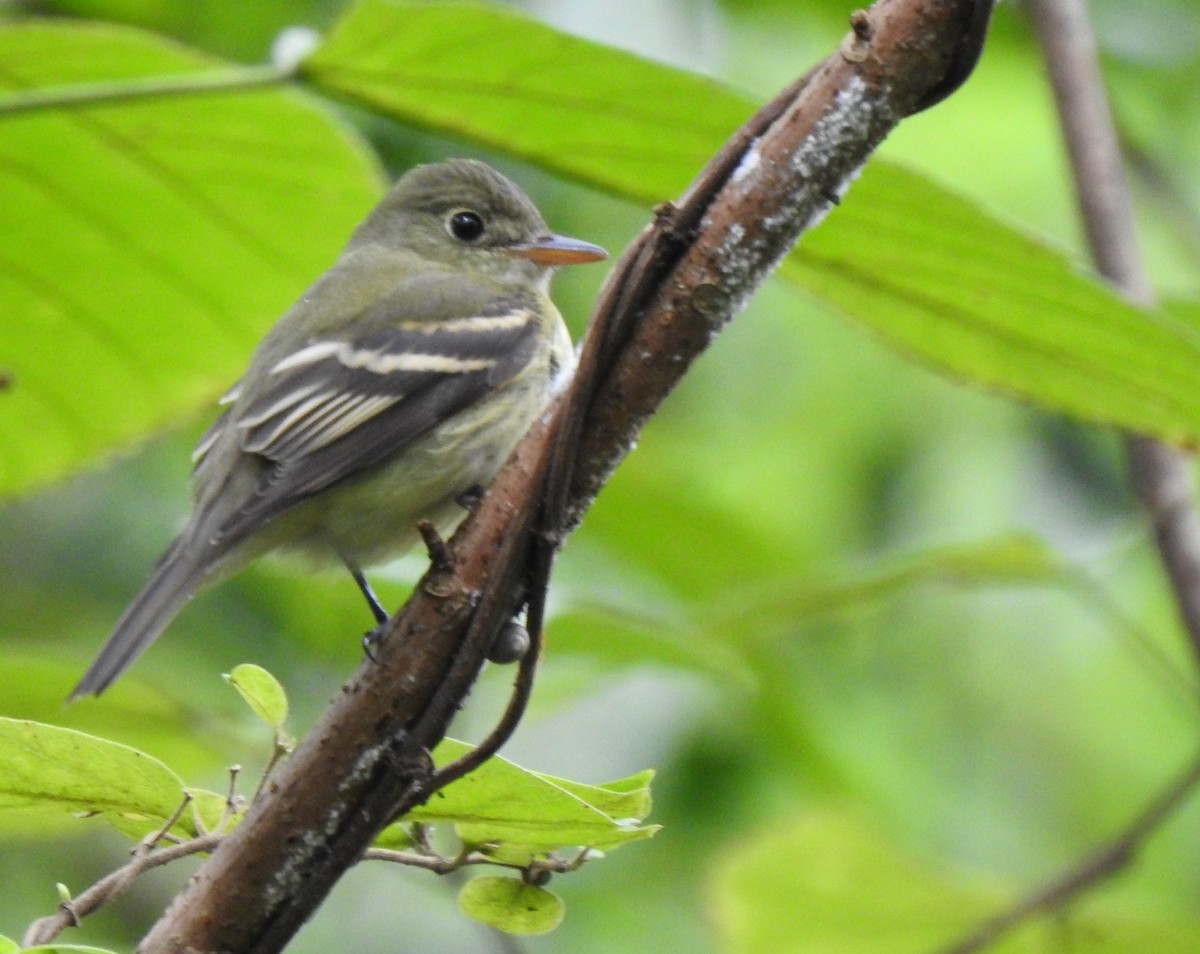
(262, 693)
(510, 905)
(49, 772)
(148, 242)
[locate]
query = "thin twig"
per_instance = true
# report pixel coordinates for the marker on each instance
(1103, 863)
(504, 728)
(70, 913)
(441, 864)
(654, 251)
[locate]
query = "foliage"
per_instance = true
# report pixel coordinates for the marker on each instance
(501, 814)
(897, 644)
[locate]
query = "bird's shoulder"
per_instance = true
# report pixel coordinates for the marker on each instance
(375, 288)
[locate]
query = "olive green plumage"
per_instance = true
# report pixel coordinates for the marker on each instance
(398, 381)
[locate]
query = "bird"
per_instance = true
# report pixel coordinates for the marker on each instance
(394, 387)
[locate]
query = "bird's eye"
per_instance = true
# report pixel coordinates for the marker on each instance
(466, 226)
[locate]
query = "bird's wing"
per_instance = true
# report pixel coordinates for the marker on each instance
(344, 403)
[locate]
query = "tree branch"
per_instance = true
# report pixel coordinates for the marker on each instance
(673, 289)
(1161, 476)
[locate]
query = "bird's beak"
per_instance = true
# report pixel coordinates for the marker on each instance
(558, 250)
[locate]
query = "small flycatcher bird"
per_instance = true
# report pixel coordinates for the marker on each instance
(395, 385)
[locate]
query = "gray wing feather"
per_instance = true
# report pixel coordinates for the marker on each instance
(350, 405)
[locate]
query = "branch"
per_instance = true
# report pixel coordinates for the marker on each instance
(1106, 861)
(680, 281)
(1161, 476)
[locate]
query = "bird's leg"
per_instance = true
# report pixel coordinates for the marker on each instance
(371, 636)
(377, 610)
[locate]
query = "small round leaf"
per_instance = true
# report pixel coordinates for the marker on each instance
(511, 905)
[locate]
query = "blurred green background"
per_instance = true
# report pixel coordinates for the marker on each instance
(870, 625)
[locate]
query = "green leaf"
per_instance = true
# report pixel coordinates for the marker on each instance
(262, 693)
(777, 605)
(395, 837)
(211, 810)
(66, 949)
(47, 772)
(138, 712)
(942, 280)
(1186, 310)
(586, 110)
(620, 629)
(826, 882)
(936, 276)
(531, 813)
(150, 241)
(510, 905)
(8, 946)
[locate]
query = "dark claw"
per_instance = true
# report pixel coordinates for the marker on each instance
(372, 638)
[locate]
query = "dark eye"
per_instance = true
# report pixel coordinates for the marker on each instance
(466, 226)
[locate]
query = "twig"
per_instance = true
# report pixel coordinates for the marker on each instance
(1161, 476)
(1106, 861)
(441, 864)
(503, 730)
(145, 857)
(607, 331)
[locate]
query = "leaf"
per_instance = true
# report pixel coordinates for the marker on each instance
(932, 273)
(65, 949)
(50, 772)
(1008, 559)
(617, 614)
(143, 714)
(8, 946)
(149, 241)
(826, 882)
(1186, 310)
(262, 693)
(395, 837)
(942, 280)
(582, 109)
(531, 813)
(181, 219)
(511, 905)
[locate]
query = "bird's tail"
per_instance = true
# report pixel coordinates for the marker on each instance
(179, 573)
